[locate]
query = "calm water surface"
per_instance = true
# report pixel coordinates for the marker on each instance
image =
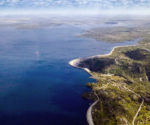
(37, 86)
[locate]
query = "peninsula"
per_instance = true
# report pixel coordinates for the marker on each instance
(121, 95)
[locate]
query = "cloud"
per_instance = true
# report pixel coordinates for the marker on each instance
(104, 4)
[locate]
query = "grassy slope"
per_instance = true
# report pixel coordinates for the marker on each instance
(121, 93)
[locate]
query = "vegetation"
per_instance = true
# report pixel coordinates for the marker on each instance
(121, 29)
(123, 86)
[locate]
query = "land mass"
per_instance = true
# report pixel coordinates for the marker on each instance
(121, 29)
(121, 95)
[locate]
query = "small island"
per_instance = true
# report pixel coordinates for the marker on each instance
(121, 94)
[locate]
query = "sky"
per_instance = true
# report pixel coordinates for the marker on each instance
(103, 4)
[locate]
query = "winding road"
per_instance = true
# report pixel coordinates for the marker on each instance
(89, 112)
(139, 109)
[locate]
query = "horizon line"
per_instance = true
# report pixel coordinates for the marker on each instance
(73, 11)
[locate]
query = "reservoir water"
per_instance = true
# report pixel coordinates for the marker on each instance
(37, 86)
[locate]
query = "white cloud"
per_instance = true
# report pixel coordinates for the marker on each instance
(75, 3)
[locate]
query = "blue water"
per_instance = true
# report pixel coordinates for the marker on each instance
(37, 86)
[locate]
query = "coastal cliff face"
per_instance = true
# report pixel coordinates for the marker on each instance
(123, 86)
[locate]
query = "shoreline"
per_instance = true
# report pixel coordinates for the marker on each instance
(74, 63)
